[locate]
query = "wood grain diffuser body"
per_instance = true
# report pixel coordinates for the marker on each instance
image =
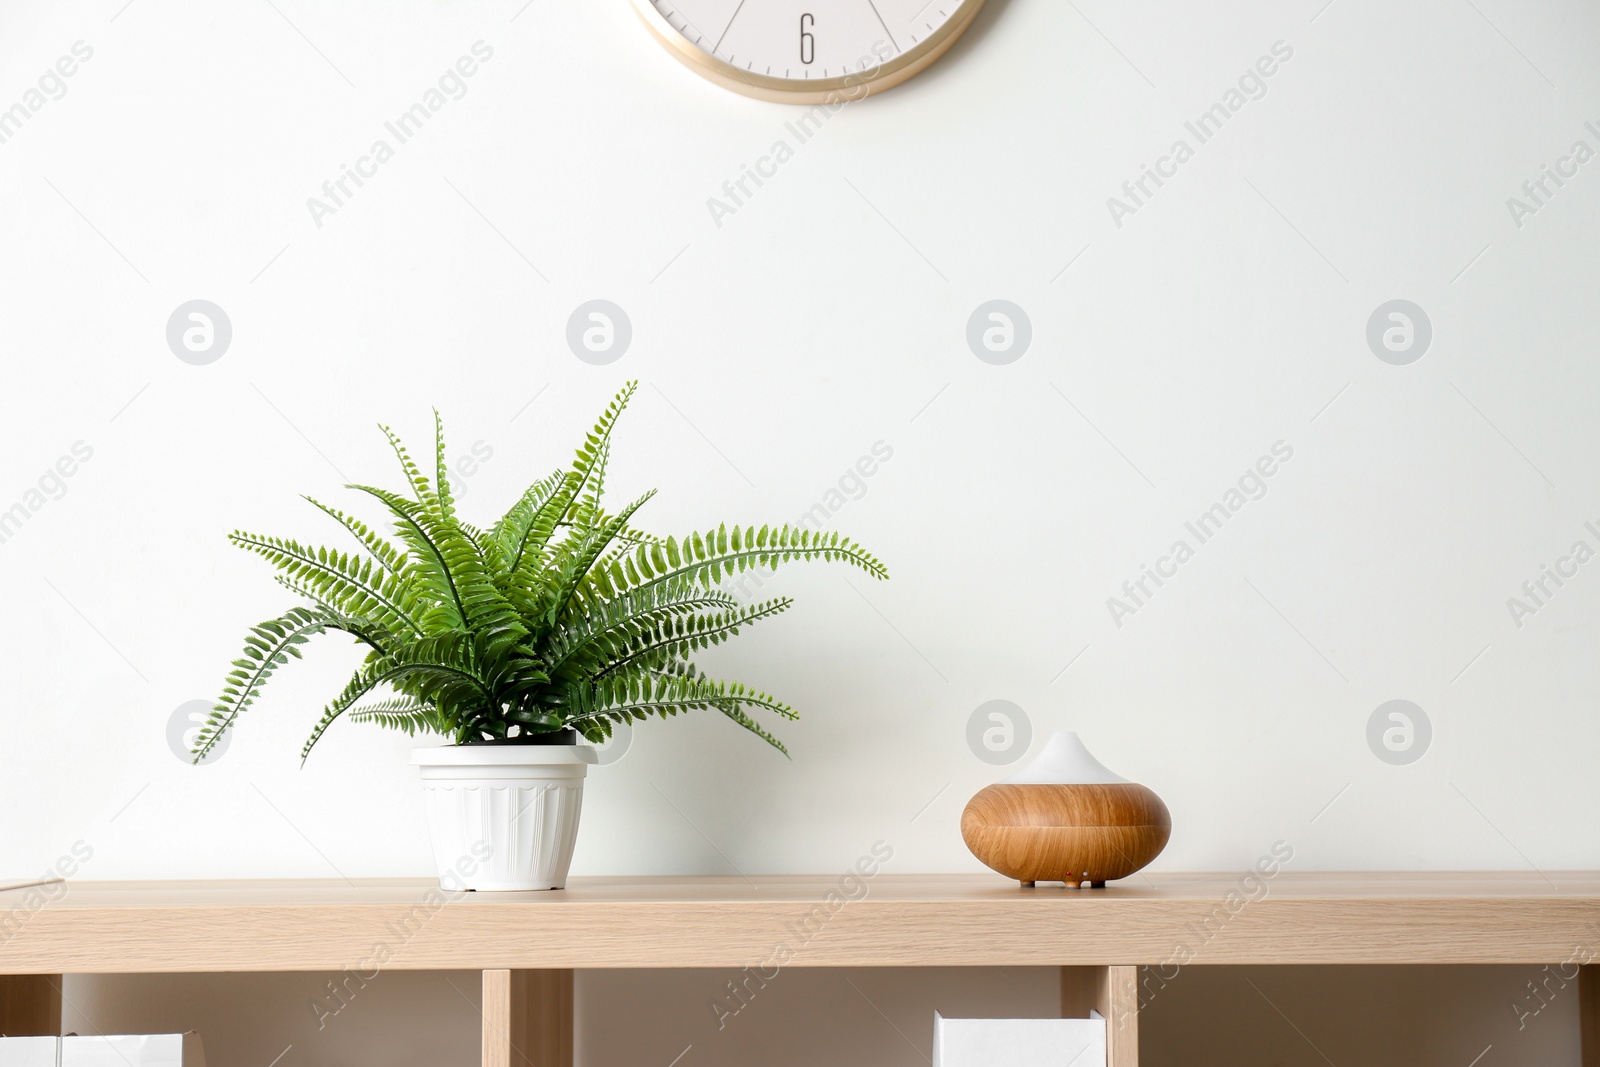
(1065, 817)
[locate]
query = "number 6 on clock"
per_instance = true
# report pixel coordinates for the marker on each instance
(864, 47)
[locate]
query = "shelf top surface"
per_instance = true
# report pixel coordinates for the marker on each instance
(1292, 917)
(954, 889)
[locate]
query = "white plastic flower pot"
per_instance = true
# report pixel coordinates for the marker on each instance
(503, 817)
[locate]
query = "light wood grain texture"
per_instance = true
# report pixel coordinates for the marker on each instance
(497, 1050)
(30, 1005)
(1589, 1013)
(903, 920)
(1114, 993)
(1122, 1018)
(1066, 833)
(542, 1019)
(1083, 989)
(527, 1018)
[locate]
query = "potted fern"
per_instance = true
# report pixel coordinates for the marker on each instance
(514, 642)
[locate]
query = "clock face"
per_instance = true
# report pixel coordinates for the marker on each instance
(801, 50)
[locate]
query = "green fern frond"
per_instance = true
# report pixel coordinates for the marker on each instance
(420, 487)
(588, 630)
(362, 683)
(441, 478)
(631, 697)
(526, 557)
(591, 454)
(353, 585)
(442, 670)
(562, 615)
(677, 638)
(734, 712)
(719, 553)
(385, 553)
(579, 555)
(411, 717)
(438, 553)
(268, 646)
(368, 631)
(586, 509)
(508, 536)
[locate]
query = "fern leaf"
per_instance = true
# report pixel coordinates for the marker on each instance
(419, 482)
(592, 633)
(441, 478)
(368, 631)
(626, 698)
(560, 615)
(677, 638)
(441, 670)
(352, 585)
(362, 683)
(718, 553)
(734, 712)
(392, 558)
(525, 549)
(580, 554)
(506, 537)
(409, 716)
(268, 646)
(588, 465)
(448, 565)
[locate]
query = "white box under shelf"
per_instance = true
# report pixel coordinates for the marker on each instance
(135, 1050)
(1019, 1042)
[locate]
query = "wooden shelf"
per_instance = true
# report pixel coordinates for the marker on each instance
(528, 944)
(904, 920)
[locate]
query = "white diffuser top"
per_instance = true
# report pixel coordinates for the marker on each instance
(1064, 761)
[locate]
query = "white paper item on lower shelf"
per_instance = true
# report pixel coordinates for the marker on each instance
(140, 1050)
(28, 1051)
(1019, 1042)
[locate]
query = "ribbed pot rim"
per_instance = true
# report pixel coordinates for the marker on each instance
(504, 756)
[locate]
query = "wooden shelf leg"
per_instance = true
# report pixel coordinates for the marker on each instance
(30, 1005)
(527, 1018)
(1589, 1013)
(1114, 993)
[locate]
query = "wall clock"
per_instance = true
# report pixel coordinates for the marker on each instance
(807, 51)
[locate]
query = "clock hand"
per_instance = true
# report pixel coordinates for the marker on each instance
(882, 23)
(729, 26)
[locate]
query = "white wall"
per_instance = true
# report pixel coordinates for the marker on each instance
(828, 314)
